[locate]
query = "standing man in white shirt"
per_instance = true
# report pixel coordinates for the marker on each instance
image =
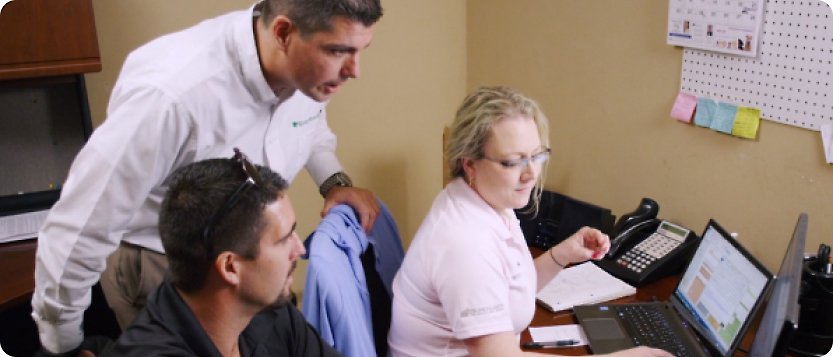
(257, 79)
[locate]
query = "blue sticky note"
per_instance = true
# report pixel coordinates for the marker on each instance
(724, 118)
(705, 112)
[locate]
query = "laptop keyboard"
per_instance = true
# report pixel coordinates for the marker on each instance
(649, 327)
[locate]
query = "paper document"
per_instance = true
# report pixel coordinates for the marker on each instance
(21, 226)
(582, 284)
(559, 333)
(827, 141)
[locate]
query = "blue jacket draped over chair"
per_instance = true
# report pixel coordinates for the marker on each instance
(336, 300)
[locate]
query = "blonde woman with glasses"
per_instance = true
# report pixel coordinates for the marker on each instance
(468, 282)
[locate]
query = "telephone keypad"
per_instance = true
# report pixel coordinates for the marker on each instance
(643, 254)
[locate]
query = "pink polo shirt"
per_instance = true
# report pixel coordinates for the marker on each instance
(467, 273)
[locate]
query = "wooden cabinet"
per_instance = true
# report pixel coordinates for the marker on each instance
(47, 38)
(18, 276)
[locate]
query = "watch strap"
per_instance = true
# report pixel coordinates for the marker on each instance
(337, 179)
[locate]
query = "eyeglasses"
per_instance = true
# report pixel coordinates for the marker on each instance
(252, 179)
(537, 159)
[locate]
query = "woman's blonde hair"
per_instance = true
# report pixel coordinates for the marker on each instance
(472, 125)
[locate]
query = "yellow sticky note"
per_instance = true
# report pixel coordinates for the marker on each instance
(746, 124)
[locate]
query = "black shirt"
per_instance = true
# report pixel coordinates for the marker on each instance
(168, 327)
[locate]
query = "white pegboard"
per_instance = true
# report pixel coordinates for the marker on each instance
(790, 81)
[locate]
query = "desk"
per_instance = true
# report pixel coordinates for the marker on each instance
(660, 289)
(17, 267)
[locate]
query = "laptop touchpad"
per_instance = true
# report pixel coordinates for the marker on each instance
(603, 329)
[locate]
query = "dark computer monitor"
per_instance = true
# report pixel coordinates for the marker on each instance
(780, 320)
(43, 124)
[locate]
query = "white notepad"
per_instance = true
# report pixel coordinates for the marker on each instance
(21, 226)
(582, 284)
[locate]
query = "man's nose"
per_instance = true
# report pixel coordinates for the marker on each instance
(300, 245)
(351, 67)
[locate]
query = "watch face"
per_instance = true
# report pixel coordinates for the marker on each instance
(343, 180)
(337, 179)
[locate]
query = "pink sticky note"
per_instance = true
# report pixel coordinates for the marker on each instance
(684, 107)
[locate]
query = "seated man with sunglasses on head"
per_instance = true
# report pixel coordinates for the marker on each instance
(228, 228)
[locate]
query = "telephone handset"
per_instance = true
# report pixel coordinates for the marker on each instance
(646, 248)
(633, 221)
(623, 237)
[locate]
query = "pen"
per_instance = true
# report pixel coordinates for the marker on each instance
(559, 343)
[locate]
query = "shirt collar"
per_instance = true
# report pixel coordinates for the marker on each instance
(175, 314)
(470, 201)
(243, 40)
(341, 225)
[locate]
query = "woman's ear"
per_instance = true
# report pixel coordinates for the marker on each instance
(227, 265)
(468, 168)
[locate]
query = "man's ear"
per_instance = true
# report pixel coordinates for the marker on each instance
(227, 265)
(281, 29)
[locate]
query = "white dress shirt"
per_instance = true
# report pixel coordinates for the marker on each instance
(184, 97)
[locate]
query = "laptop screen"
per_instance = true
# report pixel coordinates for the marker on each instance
(781, 315)
(721, 287)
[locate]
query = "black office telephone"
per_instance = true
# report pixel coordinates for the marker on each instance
(645, 248)
(558, 217)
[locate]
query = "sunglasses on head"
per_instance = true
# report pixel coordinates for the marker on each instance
(252, 179)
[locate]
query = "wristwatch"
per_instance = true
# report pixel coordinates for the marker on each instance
(337, 179)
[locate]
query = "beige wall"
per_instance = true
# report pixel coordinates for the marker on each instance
(602, 72)
(389, 123)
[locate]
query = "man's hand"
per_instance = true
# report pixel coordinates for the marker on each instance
(363, 201)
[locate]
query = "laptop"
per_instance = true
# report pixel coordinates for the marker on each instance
(780, 321)
(707, 315)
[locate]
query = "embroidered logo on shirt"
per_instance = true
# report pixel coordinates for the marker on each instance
(481, 310)
(298, 123)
